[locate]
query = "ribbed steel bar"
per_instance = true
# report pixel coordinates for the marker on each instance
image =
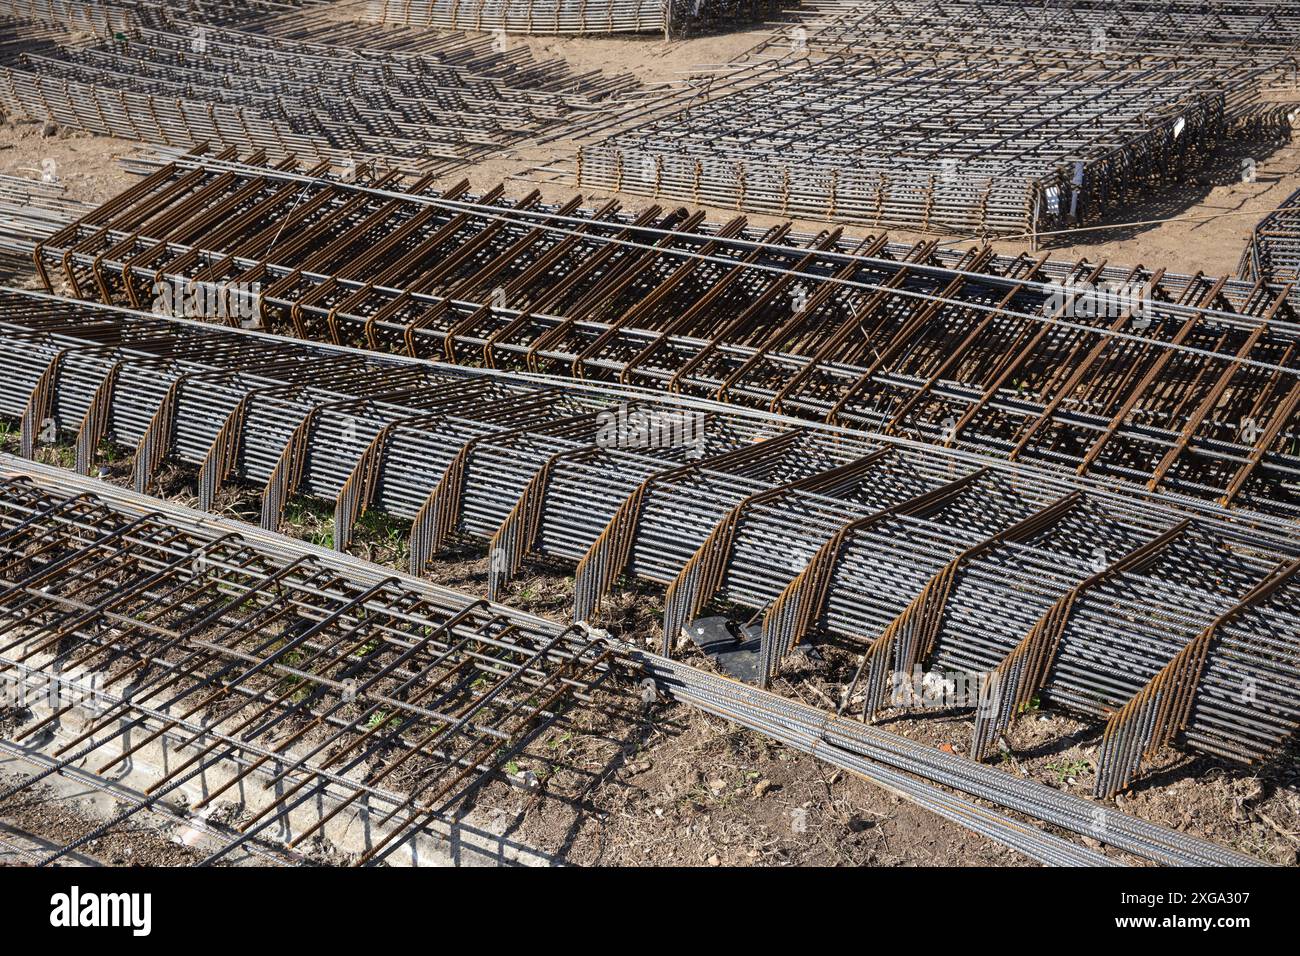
(284, 674)
(111, 17)
(101, 19)
(1179, 382)
(832, 738)
(856, 538)
(33, 209)
(54, 502)
(673, 18)
(976, 119)
(1273, 251)
(190, 81)
(1188, 27)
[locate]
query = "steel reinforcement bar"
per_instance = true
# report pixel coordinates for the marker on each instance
(837, 740)
(1003, 118)
(1184, 383)
(917, 557)
(292, 677)
(672, 18)
(49, 512)
(33, 209)
(974, 146)
(190, 82)
(1186, 28)
(238, 659)
(100, 19)
(107, 18)
(1273, 252)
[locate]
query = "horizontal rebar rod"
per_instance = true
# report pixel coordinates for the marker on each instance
(56, 502)
(917, 558)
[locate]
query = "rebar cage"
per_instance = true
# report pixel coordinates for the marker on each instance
(298, 689)
(909, 555)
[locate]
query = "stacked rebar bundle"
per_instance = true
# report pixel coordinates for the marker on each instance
(33, 209)
(294, 677)
(1184, 383)
(839, 741)
(191, 82)
(975, 146)
(1249, 46)
(968, 119)
(302, 633)
(854, 538)
(76, 16)
(915, 481)
(1273, 252)
(579, 17)
(111, 17)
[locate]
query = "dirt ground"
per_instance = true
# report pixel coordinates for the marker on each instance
(40, 812)
(1253, 810)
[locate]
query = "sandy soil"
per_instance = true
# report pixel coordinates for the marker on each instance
(652, 59)
(88, 166)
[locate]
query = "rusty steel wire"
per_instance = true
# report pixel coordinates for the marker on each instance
(275, 675)
(176, 552)
(190, 81)
(100, 19)
(1189, 384)
(1063, 480)
(912, 557)
(292, 685)
(838, 740)
(974, 119)
(108, 18)
(672, 18)
(1272, 253)
(32, 209)
(1188, 27)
